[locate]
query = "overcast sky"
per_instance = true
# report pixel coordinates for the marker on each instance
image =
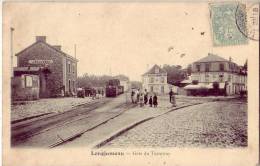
(123, 37)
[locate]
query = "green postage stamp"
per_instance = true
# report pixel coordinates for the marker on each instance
(227, 21)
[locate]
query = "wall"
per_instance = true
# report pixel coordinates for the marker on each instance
(71, 74)
(20, 92)
(42, 52)
(156, 84)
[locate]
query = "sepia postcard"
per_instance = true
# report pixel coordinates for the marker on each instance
(107, 83)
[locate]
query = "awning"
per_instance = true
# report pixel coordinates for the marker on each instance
(186, 82)
(31, 70)
(204, 86)
(193, 87)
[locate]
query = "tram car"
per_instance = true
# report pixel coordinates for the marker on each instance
(113, 88)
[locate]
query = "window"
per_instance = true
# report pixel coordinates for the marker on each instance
(207, 78)
(151, 88)
(221, 67)
(162, 89)
(229, 77)
(162, 79)
(207, 67)
(220, 78)
(151, 80)
(156, 70)
(69, 67)
(69, 86)
(198, 67)
(28, 81)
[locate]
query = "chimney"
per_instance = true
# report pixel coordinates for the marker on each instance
(40, 38)
(57, 47)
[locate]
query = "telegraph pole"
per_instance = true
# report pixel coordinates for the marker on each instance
(11, 51)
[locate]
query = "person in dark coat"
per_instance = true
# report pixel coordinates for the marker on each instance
(145, 97)
(155, 103)
(151, 101)
(132, 96)
(170, 95)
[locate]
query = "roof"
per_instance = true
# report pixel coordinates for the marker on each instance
(26, 69)
(186, 82)
(212, 58)
(152, 70)
(50, 46)
(31, 70)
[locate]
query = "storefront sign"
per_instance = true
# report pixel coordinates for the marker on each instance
(40, 62)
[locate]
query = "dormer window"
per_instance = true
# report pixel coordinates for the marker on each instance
(198, 67)
(221, 67)
(207, 67)
(156, 70)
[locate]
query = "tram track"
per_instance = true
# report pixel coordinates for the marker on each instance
(56, 127)
(25, 129)
(72, 137)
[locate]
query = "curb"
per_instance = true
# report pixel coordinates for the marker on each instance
(122, 131)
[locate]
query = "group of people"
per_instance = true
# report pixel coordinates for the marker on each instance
(142, 98)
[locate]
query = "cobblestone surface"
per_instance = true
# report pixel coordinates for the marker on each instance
(215, 124)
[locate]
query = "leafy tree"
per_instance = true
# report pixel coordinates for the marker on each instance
(136, 84)
(88, 81)
(175, 74)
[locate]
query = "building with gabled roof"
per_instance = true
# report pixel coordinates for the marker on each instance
(62, 68)
(155, 80)
(213, 69)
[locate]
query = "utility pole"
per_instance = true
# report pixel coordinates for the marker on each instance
(11, 51)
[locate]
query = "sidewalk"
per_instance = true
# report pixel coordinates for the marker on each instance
(46, 106)
(124, 122)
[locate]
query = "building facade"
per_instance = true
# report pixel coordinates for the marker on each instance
(155, 80)
(124, 81)
(230, 77)
(62, 67)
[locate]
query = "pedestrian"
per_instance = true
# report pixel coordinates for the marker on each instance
(141, 100)
(173, 100)
(151, 101)
(137, 95)
(145, 97)
(102, 93)
(170, 95)
(132, 96)
(155, 103)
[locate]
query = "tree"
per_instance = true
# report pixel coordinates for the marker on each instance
(88, 81)
(136, 84)
(175, 74)
(189, 70)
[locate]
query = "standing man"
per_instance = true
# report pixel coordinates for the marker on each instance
(171, 94)
(145, 97)
(132, 95)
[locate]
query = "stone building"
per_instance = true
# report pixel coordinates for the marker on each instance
(155, 80)
(230, 77)
(62, 68)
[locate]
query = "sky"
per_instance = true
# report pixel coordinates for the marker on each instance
(121, 38)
